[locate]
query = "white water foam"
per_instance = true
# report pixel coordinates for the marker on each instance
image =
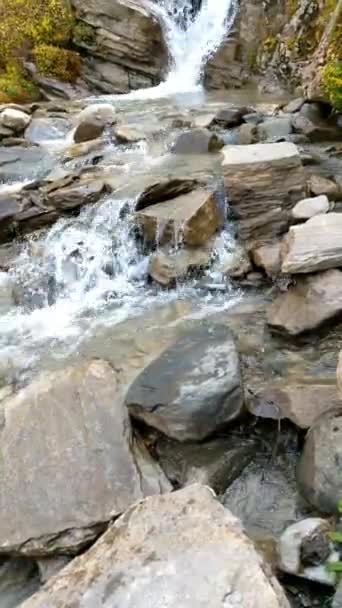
(191, 40)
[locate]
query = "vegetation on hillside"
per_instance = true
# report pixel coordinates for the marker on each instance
(38, 30)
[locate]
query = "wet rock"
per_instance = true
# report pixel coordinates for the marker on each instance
(5, 132)
(8, 254)
(263, 183)
(92, 121)
(87, 147)
(319, 469)
(301, 401)
(190, 218)
(214, 463)
(304, 549)
(236, 264)
(164, 190)
(231, 117)
(166, 268)
(128, 135)
(16, 120)
(309, 207)
(204, 121)
(47, 129)
(253, 118)
(175, 547)
(274, 128)
(19, 161)
(315, 245)
(50, 566)
(312, 302)
(268, 257)
(193, 388)
(18, 581)
(86, 446)
(82, 192)
(318, 185)
(197, 141)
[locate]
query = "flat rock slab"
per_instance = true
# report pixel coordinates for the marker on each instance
(192, 218)
(263, 183)
(182, 550)
(193, 388)
(313, 301)
(68, 461)
(315, 245)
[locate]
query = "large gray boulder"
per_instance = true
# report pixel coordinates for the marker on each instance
(193, 388)
(184, 549)
(69, 462)
(263, 183)
(319, 471)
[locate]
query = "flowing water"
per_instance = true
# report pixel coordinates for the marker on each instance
(89, 272)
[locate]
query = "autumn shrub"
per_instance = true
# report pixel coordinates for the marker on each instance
(332, 83)
(83, 34)
(57, 62)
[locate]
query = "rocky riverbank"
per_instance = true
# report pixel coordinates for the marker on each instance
(213, 367)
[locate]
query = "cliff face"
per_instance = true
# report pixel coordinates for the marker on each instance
(285, 41)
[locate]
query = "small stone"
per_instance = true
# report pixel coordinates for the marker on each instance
(77, 150)
(128, 135)
(166, 268)
(309, 207)
(274, 128)
(14, 119)
(304, 550)
(248, 134)
(50, 566)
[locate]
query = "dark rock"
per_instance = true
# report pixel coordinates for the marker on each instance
(214, 463)
(274, 128)
(193, 388)
(197, 141)
(18, 581)
(231, 117)
(165, 190)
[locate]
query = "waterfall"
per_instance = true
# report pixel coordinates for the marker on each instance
(192, 37)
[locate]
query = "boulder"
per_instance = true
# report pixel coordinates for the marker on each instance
(248, 134)
(190, 218)
(231, 116)
(268, 257)
(163, 190)
(235, 264)
(315, 245)
(197, 141)
(312, 302)
(274, 128)
(263, 183)
(125, 50)
(319, 468)
(166, 268)
(193, 388)
(304, 549)
(302, 401)
(315, 131)
(215, 463)
(176, 548)
(318, 185)
(339, 374)
(69, 462)
(92, 121)
(50, 566)
(42, 129)
(127, 135)
(294, 105)
(309, 207)
(16, 120)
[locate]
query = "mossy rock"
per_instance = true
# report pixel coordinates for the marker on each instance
(56, 62)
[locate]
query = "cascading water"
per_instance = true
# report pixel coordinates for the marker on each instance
(90, 270)
(192, 37)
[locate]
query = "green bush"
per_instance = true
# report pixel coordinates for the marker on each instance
(15, 87)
